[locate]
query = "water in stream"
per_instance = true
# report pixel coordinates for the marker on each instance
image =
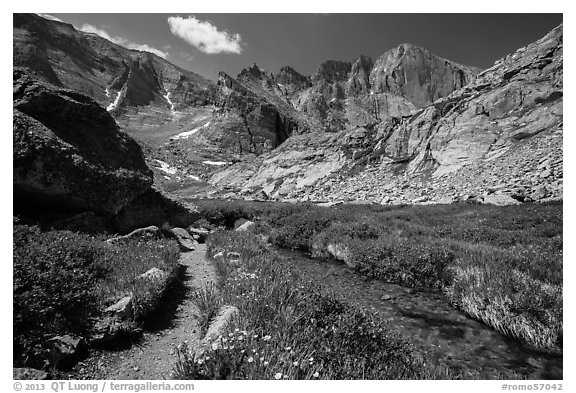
(445, 335)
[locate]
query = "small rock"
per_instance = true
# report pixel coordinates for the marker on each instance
(153, 274)
(65, 350)
(500, 200)
(122, 308)
(245, 226)
(151, 232)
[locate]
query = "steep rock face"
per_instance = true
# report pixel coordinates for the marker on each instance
(69, 152)
(500, 134)
(359, 77)
(417, 75)
(291, 81)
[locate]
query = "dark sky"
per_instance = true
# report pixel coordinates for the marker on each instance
(303, 41)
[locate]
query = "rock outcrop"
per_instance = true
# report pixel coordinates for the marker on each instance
(156, 208)
(418, 75)
(501, 133)
(68, 152)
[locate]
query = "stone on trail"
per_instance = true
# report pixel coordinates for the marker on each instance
(186, 241)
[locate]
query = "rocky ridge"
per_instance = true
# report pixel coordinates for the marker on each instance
(501, 133)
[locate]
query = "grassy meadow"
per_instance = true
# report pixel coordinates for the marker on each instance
(500, 265)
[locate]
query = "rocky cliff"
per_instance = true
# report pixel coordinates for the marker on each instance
(498, 136)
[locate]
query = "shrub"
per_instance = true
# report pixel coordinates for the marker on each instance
(64, 280)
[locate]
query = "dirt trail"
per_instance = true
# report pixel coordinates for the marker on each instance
(155, 355)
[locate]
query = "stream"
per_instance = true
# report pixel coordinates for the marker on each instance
(446, 336)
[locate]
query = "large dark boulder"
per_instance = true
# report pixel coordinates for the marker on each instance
(155, 208)
(68, 152)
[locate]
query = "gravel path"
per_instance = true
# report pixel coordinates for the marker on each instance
(155, 355)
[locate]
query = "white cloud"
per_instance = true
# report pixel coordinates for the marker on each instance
(204, 35)
(87, 28)
(50, 17)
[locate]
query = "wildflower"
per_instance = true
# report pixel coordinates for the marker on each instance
(253, 351)
(250, 359)
(231, 346)
(295, 364)
(224, 340)
(240, 338)
(230, 334)
(311, 360)
(255, 336)
(316, 374)
(266, 363)
(242, 351)
(200, 361)
(236, 330)
(278, 375)
(288, 348)
(266, 337)
(214, 346)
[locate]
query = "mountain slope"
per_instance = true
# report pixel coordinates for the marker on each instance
(501, 133)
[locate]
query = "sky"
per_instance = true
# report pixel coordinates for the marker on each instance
(209, 43)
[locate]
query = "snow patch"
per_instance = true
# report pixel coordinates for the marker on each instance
(194, 177)
(167, 97)
(215, 163)
(107, 93)
(115, 103)
(186, 134)
(166, 168)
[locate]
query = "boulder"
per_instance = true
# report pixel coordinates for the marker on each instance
(199, 234)
(244, 227)
(110, 332)
(341, 252)
(64, 351)
(151, 232)
(154, 207)
(185, 240)
(220, 323)
(122, 308)
(153, 274)
(68, 152)
(25, 373)
(500, 200)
